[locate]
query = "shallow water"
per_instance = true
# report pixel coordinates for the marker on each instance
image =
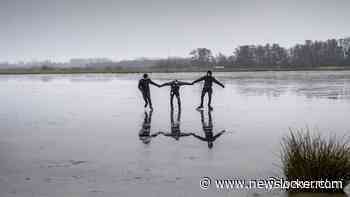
(78, 135)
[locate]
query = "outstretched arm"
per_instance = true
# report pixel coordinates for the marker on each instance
(218, 82)
(218, 135)
(185, 134)
(198, 80)
(197, 136)
(165, 84)
(181, 83)
(165, 134)
(153, 83)
(155, 134)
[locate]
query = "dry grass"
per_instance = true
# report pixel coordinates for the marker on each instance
(307, 156)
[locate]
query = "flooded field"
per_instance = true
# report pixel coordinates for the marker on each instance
(78, 135)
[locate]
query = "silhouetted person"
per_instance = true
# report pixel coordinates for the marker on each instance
(145, 132)
(207, 88)
(209, 136)
(175, 126)
(175, 91)
(144, 88)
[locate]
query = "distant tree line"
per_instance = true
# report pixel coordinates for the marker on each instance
(309, 54)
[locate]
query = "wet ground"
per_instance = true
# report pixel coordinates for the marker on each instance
(78, 135)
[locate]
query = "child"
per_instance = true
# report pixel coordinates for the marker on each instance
(175, 91)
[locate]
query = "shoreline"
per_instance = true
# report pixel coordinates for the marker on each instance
(31, 71)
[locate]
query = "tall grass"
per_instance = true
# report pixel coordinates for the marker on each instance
(312, 157)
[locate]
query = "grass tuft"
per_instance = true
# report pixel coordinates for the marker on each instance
(311, 157)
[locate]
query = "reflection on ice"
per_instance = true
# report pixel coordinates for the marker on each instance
(207, 127)
(175, 131)
(145, 132)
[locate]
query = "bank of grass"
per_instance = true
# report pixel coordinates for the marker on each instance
(83, 70)
(312, 157)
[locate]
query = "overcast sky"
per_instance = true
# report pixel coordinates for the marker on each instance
(64, 29)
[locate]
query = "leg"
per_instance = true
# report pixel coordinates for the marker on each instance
(145, 98)
(149, 100)
(202, 120)
(171, 100)
(210, 120)
(202, 98)
(172, 116)
(179, 115)
(178, 101)
(150, 117)
(210, 92)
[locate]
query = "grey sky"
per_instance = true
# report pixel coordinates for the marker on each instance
(63, 29)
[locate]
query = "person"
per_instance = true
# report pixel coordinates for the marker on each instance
(175, 127)
(209, 136)
(145, 90)
(145, 132)
(175, 91)
(207, 88)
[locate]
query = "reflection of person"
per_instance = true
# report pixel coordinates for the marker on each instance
(145, 132)
(175, 126)
(207, 88)
(175, 91)
(209, 136)
(144, 88)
